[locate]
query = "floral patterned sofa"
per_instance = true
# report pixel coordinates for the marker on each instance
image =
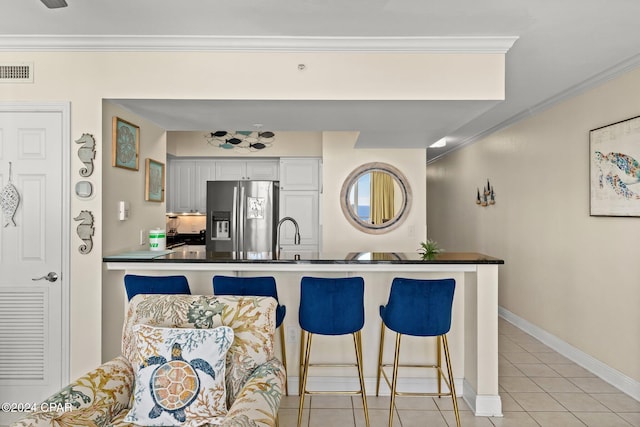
(254, 377)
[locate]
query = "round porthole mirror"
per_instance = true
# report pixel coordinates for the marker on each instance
(375, 198)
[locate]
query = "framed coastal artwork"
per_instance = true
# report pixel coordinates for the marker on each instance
(615, 169)
(154, 181)
(125, 144)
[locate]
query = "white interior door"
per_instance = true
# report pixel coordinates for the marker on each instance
(33, 330)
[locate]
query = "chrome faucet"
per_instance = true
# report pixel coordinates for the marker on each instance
(296, 237)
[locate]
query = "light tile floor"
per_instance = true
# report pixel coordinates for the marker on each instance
(538, 386)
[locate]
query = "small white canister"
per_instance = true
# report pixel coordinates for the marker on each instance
(157, 239)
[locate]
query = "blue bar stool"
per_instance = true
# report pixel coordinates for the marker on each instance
(331, 306)
(135, 285)
(419, 308)
(255, 286)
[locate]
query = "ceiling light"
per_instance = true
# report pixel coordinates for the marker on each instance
(54, 4)
(439, 143)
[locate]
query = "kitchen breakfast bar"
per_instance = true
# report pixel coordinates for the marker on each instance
(473, 338)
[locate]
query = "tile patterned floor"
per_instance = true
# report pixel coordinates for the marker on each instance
(538, 386)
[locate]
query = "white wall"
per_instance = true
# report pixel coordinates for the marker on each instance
(573, 275)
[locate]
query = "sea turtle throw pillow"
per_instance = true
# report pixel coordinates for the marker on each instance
(181, 380)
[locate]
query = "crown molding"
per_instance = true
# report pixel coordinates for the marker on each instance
(578, 89)
(499, 45)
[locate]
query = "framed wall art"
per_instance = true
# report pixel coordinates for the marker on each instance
(125, 145)
(614, 152)
(154, 181)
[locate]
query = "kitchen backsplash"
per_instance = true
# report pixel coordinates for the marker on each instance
(187, 223)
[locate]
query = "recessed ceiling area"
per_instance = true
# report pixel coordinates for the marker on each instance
(401, 124)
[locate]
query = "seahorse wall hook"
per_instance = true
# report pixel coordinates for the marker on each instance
(85, 231)
(86, 153)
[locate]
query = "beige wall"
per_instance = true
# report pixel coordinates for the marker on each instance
(85, 79)
(339, 160)
(573, 275)
(127, 185)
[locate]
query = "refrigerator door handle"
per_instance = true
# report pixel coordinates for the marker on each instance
(241, 220)
(234, 219)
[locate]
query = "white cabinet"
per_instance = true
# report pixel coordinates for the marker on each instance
(297, 173)
(300, 191)
(187, 178)
(303, 206)
(187, 184)
(205, 171)
(245, 170)
(180, 185)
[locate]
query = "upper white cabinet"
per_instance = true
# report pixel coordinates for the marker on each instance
(187, 178)
(187, 184)
(205, 171)
(298, 173)
(247, 170)
(181, 185)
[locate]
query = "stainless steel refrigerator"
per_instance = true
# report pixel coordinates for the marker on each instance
(242, 217)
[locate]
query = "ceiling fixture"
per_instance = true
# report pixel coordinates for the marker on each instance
(439, 143)
(54, 4)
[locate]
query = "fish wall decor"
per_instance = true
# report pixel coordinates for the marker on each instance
(240, 140)
(9, 201)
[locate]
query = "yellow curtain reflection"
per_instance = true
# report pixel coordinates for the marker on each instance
(382, 208)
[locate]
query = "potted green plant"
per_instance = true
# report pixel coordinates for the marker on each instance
(429, 249)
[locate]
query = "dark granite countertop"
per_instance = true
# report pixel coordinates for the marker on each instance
(186, 256)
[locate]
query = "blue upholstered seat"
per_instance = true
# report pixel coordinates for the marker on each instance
(135, 285)
(331, 306)
(263, 286)
(257, 286)
(419, 308)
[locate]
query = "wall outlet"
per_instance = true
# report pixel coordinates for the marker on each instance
(143, 237)
(291, 334)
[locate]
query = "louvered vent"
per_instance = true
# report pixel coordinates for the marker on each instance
(16, 73)
(22, 334)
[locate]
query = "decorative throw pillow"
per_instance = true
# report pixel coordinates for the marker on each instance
(180, 376)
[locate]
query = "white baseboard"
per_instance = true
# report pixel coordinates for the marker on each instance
(482, 406)
(614, 377)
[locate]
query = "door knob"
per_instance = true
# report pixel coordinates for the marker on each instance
(51, 277)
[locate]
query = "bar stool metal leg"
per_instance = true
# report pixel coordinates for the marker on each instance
(439, 362)
(301, 360)
(357, 339)
(452, 387)
(380, 351)
(394, 378)
(303, 376)
(284, 361)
